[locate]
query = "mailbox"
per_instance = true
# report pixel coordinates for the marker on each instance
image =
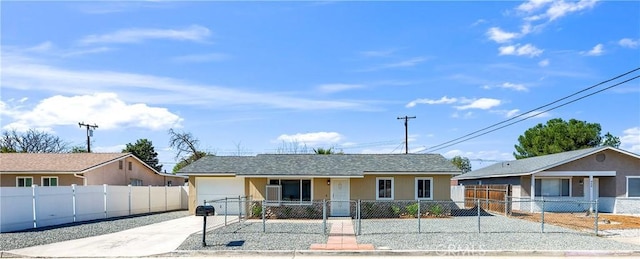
(205, 210)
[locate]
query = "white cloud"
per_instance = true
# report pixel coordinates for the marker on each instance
(406, 63)
(631, 140)
(533, 5)
(512, 113)
(443, 100)
(543, 63)
(508, 85)
(628, 43)
(136, 35)
(312, 139)
(201, 58)
(597, 50)
(378, 53)
(482, 103)
(562, 8)
(334, 88)
(21, 73)
(104, 109)
(498, 35)
(525, 50)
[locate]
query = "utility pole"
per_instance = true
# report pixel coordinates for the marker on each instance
(406, 132)
(90, 129)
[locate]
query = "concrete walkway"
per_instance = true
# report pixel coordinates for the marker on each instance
(341, 237)
(147, 240)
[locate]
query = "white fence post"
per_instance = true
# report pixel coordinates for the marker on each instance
(73, 200)
(166, 207)
(149, 198)
(34, 206)
(130, 201)
(105, 201)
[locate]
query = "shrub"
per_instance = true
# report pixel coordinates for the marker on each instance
(436, 210)
(396, 210)
(412, 209)
(256, 211)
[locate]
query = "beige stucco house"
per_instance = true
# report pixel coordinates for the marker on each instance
(302, 178)
(609, 175)
(60, 169)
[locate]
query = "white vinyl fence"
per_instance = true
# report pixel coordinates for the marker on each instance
(24, 208)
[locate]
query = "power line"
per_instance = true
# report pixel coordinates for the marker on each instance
(536, 114)
(534, 109)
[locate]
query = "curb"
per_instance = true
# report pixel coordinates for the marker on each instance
(412, 253)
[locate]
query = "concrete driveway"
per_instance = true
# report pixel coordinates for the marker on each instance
(147, 240)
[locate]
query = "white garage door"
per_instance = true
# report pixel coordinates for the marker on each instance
(219, 188)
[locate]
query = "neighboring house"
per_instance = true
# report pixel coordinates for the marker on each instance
(610, 175)
(304, 178)
(59, 169)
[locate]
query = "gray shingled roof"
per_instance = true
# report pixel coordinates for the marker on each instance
(531, 165)
(320, 165)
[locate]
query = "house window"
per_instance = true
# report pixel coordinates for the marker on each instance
(553, 187)
(424, 188)
(120, 165)
(50, 181)
(633, 186)
(136, 182)
(293, 190)
(130, 166)
(24, 181)
(169, 183)
(384, 188)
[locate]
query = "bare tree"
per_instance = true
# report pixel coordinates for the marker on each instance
(292, 147)
(32, 141)
(186, 146)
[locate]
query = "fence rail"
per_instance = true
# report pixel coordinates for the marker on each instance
(372, 217)
(24, 208)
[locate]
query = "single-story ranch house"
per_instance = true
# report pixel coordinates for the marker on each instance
(610, 175)
(302, 178)
(60, 169)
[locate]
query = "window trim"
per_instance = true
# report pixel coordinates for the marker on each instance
(627, 190)
(300, 202)
(130, 166)
(377, 190)
(23, 177)
(49, 177)
(430, 187)
(556, 178)
(120, 164)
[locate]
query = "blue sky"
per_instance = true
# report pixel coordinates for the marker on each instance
(250, 77)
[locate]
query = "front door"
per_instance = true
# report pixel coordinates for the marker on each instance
(340, 197)
(587, 192)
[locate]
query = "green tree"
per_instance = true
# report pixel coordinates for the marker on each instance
(461, 163)
(31, 141)
(187, 147)
(144, 150)
(323, 151)
(610, 140)
(78, 149)
(558, 136)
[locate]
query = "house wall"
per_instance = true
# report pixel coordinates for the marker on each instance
(623, 164)
(403, 187)
(255, 187)
(111, 174)
(9, 180)
(321, 190)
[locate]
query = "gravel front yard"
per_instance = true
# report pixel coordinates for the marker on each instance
(499, 233)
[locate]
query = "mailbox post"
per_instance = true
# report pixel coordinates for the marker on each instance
(204, 211)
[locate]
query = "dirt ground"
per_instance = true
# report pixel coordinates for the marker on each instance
(582, 221)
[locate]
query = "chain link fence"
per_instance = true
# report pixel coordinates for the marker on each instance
(370, 217)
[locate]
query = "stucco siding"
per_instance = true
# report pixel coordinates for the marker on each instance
(514, 180)
(404, 187)
(257, 187)
(624, 165)
(321, 190)
(9, 180)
